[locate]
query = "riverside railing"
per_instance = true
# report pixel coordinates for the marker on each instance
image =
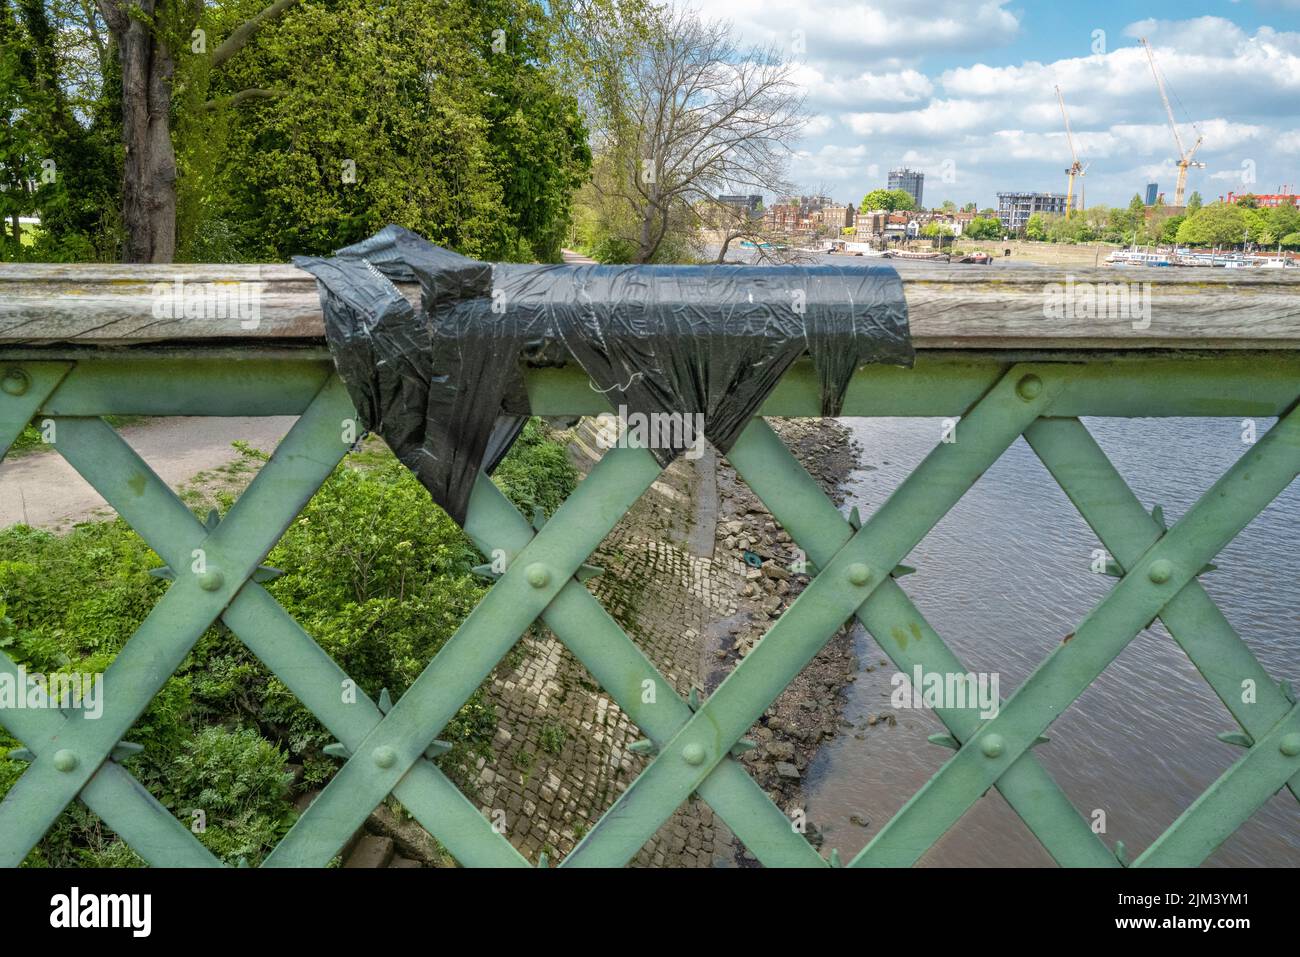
(1009, 351)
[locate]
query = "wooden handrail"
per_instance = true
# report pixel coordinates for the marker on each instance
(950, 306)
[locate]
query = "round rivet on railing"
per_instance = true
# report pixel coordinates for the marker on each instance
(991, 745)
(693, 754)
(1290, 745)
(211, 580)
(538, 575)
(15, 382)
(1029, 387)
(1160, 571)
(859, 574)
(385, 756)
(65, 760)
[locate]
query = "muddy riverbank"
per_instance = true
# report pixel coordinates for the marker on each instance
(808, 713)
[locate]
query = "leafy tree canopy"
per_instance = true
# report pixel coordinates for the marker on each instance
(889, 200)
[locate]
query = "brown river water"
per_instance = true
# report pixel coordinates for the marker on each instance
(1003, 578)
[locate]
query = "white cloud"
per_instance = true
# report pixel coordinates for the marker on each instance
(864, 66)
(818, 126)
(939, 118)
(1209, 35)
(851, 31)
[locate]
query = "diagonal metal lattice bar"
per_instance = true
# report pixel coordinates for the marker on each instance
(909, 641)
(386, 756)
(64, 763)
(26, 390)
(840, 587)
(625, 673)
(1162, 571)
(163, 521)
(119, 800)
(528, 585)
(1110, 508)
(1235, 796)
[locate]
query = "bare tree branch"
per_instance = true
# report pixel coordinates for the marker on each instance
(703, 119)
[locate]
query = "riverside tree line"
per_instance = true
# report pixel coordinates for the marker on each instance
(251, 130)
(1218, 224)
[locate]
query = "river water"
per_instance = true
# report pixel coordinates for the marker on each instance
(1003, 578)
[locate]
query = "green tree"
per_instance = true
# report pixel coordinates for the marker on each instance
(889, 200)
(59, 158)
(164, 52)
(21, 139)
(983, 227)
(1128, 224)
(1218, 224)
(1194, 202)
(1072, 229)
(1169, 229)
(405, 113)
(1036, 228)
(1278, 222)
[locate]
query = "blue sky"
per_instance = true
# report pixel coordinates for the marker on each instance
(963, 89)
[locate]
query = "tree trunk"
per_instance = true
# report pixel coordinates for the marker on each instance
(149, 173)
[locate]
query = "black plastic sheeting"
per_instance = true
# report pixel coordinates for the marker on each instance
(443, 384)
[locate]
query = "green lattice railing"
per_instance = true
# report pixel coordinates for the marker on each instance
(998, 398)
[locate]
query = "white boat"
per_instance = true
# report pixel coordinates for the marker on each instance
(1137, 257)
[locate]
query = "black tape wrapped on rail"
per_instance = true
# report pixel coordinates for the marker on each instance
(443, 383)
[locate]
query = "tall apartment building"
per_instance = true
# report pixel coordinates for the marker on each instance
(910, 181)
(1014, 209)
(1152, 193)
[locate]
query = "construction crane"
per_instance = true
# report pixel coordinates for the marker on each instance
(1184, 155)
(1076, 168)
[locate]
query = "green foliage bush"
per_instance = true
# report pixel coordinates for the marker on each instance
(373, 571)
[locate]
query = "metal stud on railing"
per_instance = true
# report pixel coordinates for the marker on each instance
(15, 382)
(65, 759)
(1161, 571)
(858, 574)
(211, 580)
(1029, 387)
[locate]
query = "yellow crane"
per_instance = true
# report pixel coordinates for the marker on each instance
(1076, 168)
(1184, 155)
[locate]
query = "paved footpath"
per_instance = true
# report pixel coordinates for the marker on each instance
(41, 489)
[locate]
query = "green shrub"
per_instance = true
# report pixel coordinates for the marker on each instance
(373, 571)
(238, 781)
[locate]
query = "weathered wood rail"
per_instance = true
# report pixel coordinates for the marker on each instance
(80, 342)
(950, 307)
